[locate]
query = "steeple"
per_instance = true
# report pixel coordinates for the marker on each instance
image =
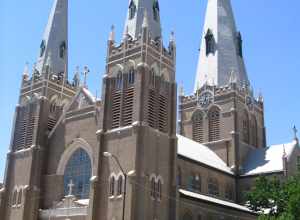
(54, 45)
(221, 48)
(138, 11)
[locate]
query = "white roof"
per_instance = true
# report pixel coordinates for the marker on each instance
(215, 200)
(268, 160)
(200, 153)
(89, 94)
(83, 202)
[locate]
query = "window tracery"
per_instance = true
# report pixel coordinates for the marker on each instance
(78, 170)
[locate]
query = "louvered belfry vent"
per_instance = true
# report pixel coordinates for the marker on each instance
(162, 114)
(122, 90)
(152, 109)
(116, 109)
(214, 124)
(26, 122)
(127, 110)
(198, 131)
(51, 123)
(157, 109)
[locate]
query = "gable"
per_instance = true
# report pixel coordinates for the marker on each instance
(82, 99)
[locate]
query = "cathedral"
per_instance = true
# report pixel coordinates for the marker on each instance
(145, 150)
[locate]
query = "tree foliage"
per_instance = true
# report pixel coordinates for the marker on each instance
(276, 200)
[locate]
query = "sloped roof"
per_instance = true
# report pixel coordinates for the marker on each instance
(268, 160)
(201, 153)
(215, 200)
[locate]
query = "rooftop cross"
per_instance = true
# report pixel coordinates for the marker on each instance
(295, 131)
(71, 185)
(86, 71)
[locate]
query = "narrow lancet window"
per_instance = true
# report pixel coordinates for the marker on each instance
(156, 10)
(239, 44)
(210, 43)
(132, 10)
(42, 48)
(62, 50)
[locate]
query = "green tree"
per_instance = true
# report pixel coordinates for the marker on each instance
(276, 200)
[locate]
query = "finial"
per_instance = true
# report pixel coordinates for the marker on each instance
(295, 130)
(76, 78)
(284, 152)
(181, 89)
(233, 78)
(198, 86)
(125, 36)
(26, 70)
(172, 37)
(260, 96)
(145, 21)
(112, 33)
(48, 62)
(86, 71)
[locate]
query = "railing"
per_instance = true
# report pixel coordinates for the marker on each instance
(63, 212)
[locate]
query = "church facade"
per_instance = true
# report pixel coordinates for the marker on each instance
(129, 155)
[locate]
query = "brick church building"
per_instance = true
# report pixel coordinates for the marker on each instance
(129, 155)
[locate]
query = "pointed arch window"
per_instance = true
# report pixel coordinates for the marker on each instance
(119, 83)
(152, 77)
(120, 186)
(131, 76)
(229, 192)
(20, 197)
(42, 48)
(210, 43)
(14, 198)
(153, 188)
(194, 183)
(156, 10)
(213, 187)
(198, 131)
(246, 135)
(159, 190)
(78, 170)
(62, 50)
(214, 124)
(239, 44)
(112, 183)
(132, 10)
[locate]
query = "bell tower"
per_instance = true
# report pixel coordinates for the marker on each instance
(43, 95)
(223, 112)
(138, 121)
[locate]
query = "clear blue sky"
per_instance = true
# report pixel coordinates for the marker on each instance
(270, 30)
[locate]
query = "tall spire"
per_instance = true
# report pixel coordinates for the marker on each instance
(136, 14)
(221, 48)
(54, 45)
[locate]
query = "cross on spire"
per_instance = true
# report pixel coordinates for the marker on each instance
(85, 73)
(70, 186)
(295, 132)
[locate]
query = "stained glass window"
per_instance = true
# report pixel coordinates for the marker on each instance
(213, 187)
(79, 171)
